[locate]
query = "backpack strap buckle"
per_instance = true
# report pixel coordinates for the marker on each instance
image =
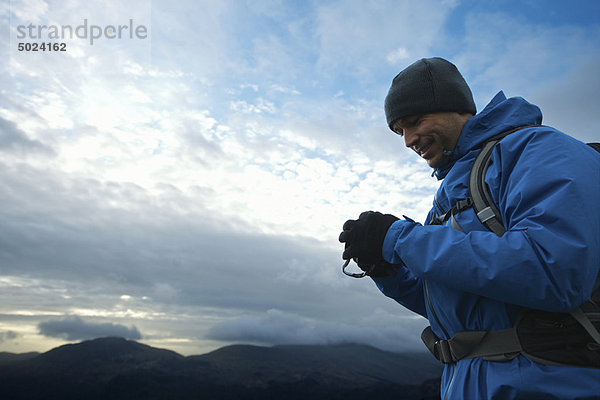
(443, 352)
(438, 347)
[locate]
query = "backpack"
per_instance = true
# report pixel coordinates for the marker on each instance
(549, 338)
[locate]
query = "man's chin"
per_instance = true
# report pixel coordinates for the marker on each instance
(438, 161)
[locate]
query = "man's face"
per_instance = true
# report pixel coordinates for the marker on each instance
(430, 134)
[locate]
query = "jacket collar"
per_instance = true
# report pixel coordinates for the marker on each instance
(500, 115)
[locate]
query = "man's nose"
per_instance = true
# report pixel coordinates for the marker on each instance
(410, 139)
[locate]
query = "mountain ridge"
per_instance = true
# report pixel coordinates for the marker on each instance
(119, 368)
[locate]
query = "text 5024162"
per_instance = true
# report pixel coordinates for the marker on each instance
(44, 46)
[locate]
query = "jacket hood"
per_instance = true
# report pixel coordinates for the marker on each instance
(500, 115)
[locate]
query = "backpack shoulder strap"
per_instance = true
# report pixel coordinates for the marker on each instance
(487, 212)
(483, 204)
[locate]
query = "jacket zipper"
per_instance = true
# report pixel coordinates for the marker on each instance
(451, 382)
(445, 333)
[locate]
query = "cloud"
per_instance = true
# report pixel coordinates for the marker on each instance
(14, 140)
(398, 55)
(74, 328)
(8, 335)
(32, 10)
(260, 106)
(164, 259)
(275, 327)
(251, 227)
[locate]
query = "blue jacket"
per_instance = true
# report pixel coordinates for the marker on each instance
(547, 187)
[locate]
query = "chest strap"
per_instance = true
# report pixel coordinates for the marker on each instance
(459, 207)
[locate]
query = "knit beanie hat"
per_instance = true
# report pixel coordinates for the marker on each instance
(427, 86)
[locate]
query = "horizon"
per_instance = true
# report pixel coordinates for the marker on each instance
(230, 345)
(186, 187)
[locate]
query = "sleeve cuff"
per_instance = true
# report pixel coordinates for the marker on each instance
(389, 243)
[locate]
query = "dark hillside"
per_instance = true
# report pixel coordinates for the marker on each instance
(114, 368)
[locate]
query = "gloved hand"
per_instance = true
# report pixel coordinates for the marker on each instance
(380, 269)
(364, 237)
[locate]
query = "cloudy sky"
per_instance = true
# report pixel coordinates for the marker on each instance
(180, 173)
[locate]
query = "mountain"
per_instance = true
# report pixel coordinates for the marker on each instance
(115, 368)
(6, 358)
(350, 363)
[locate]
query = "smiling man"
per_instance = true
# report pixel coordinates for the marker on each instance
(513, 305)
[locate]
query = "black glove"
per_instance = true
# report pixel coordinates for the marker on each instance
(364, 237)
(380, 269)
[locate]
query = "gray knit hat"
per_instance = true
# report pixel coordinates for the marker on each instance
(427, 86)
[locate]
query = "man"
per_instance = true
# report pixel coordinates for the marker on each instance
(461, 276)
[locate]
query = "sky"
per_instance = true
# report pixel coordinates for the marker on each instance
(179, 175)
